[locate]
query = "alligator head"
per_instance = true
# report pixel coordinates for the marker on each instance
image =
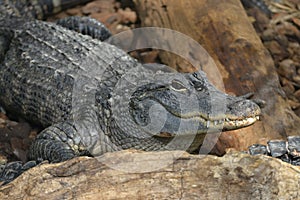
(167, 105)
(190, 98)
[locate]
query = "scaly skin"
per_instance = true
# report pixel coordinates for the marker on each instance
(288, 151)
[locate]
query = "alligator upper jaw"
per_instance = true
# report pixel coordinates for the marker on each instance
(216, 125)
(227, 123)
(241, 113)
(223, 123)
(239, 123)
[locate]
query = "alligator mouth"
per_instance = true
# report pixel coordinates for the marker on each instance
(224, 125)
(238, 113)
(235, 124)
(227, 123)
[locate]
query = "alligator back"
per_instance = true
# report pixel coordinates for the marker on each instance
(42, 64)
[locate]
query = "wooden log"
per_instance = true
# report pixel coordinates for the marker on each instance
(120, 175)
(224, 30)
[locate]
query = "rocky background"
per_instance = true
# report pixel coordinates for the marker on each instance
(280, 33)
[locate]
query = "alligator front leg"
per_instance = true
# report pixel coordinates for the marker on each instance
(86, 26)
(56, 143)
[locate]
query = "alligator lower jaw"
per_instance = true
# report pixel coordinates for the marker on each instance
(230, 124)
(224, 125)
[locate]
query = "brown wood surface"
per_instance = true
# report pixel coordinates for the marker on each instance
(224, 30)
(117, 176)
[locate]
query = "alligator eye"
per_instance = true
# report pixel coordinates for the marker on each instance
(178, 86)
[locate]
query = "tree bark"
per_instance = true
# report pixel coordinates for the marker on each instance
(178, 175)
(224, 30)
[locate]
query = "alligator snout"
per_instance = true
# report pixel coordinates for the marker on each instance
(241, 113)
(243, 108)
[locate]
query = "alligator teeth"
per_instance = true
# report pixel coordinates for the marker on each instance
(234, 124)
(207, 124)
(229, 124)
(250, 120)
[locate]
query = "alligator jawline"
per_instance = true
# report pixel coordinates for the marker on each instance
(225, 124)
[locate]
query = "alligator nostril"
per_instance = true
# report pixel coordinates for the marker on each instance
(261, 103)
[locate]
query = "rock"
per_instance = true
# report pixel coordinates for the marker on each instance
(177, 175)
(99, 6)
(296, 79)
(14, 139)
(74, 11)
(287, 68)
(297, 95)
(145, 56)
(294, 104)
(288, 29)
(297, 111)
(287, 86)
(278, 52)
(261, 20)
(282, 41)
(268, 35)
(128, 15)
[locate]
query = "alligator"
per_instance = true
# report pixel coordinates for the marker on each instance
(91, 97)
(287, 151)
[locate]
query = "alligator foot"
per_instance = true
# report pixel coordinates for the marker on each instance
(85, 26)
(288, 151)
(12, 170)
(56, 143)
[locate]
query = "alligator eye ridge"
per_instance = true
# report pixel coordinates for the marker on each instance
(178, 86)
